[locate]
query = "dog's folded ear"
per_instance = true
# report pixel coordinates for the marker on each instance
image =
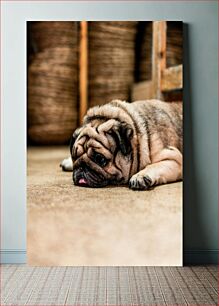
(73, 138)
(123, 133)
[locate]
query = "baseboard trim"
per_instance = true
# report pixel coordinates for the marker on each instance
(13, 256)
(200, 257)
(190, 257)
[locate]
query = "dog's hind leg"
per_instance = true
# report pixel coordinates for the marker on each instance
(67, 164)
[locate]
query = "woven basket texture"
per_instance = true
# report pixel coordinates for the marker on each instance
(111, 48)
(53, 82)
(119, 54)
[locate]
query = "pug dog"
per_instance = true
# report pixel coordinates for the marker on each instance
(138, 144)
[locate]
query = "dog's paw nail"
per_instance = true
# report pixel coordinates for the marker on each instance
(147, 181)
(140, 182)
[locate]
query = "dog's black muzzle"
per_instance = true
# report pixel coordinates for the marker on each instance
(84, 176)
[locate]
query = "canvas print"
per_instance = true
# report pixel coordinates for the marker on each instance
(104, 143)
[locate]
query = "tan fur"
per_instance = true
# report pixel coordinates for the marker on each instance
(152, 128)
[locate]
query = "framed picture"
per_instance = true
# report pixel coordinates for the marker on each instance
(104, 142)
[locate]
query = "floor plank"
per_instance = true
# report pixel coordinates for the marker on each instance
(80, 286)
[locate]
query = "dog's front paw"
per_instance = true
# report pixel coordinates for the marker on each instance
(140, 182)
(67, 164)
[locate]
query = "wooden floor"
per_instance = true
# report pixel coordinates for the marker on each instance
(137, 286)
(113, 226)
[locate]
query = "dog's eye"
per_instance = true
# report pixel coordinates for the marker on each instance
(100, 159)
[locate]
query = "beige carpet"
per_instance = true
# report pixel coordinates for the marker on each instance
(102, 286)
(69, 225)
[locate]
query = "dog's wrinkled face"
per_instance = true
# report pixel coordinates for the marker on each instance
(102, 153)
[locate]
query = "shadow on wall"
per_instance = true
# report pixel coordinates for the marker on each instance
(192, 224)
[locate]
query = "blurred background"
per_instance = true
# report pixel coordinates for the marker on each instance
(124, 60)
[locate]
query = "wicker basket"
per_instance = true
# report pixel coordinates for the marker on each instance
(111, 60)
(52, 82)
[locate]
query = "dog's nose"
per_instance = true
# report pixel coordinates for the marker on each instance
(82, 165)
(78, 176)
